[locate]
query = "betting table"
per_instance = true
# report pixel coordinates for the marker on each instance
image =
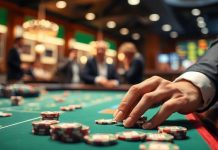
(16, 131)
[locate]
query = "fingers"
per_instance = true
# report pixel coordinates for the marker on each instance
(167, 109)
(134, 95)
(145, 103)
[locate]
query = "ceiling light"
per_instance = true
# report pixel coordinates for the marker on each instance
(61, 4)
(154, 17)
(111, 24)
(136, 36)
(90, 16)
(200, 19)
(204, 30)
(133, 2)
(173, 34)
(196, 12)
(124, 31)
(166, 27)
(201, 24)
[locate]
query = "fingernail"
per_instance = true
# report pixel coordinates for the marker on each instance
(115, 112)
(128, 122)
(119, 116)
(147, 125)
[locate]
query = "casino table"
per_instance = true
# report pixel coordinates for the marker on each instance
(15, 131)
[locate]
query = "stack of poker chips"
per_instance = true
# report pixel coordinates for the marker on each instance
(71, 107)
(50, 115)
(69, 132)
(178, 132)
(101, 139)
(16, 100)
(158, 146)
(42, 127)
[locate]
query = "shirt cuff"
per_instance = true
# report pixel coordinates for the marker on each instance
(98, 79)
(205, 85)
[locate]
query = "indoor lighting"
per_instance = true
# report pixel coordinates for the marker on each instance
(196, 12)
(204, 30)
(124, 31)
(201, 24)
(90, 16)
(109, 60)
(111, 24)
(61, 4)
(154, 17)
(133, 2)
(173, 34)
(40, 48)
(41, 25)
(83, 59)
(200, 19)
(136, 36)
(166, 27)
(121, 56)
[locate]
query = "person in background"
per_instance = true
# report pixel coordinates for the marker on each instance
(133, 63)
(97, 70)
(69, 71)
(194, 90)
(14, 64)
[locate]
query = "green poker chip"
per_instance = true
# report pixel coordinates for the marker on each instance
(158, 146)
(101, 139)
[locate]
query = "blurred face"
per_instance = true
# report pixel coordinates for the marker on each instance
(129, 55)
(73, 55)
(101, 48)
(20, 43)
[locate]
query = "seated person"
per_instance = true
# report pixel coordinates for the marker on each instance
(69, 72)
(133, 63)
(97, 71)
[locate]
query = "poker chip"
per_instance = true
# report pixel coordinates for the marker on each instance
(16, 100)
(67, 108)
(178, 132)
(59, 99)
(142, 120)
(2, 114)
(158, 146)
(69, 132)
(101, 139)
(50, 115)
(76, 106)
(42, 127)
(162, 137)
(105, 121)
(131, 135)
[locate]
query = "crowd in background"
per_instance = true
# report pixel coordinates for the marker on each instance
(96, 70)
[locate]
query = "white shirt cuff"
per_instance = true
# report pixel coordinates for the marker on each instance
(205, 85)
(98, 79)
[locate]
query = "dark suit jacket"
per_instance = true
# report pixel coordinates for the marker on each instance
(14, 65)
(135, 73)
(208, 65)
(90, 71)
(65, 73)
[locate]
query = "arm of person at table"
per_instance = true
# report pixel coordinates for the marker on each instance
(184, 95)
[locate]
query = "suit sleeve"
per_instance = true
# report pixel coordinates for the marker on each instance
(86, 73)
(13, 60)
(208, 65)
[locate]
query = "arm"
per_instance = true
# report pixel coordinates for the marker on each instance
(86, 73)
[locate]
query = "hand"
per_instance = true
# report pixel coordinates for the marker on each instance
(182, 97)
(101, 80)
(111, 83)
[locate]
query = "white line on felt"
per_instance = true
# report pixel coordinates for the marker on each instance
(19, 123)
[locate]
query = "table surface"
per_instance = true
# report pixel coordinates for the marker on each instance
(15, 131)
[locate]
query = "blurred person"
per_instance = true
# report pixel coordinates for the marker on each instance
(194, 90)
(69, 71)
(14, 64)
(97, 70)
(133, 63)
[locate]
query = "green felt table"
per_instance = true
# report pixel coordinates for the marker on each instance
(15, 131)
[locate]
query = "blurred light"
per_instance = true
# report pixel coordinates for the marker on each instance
(90, 16)
(40, 48)
(83, 59)
(136, 36)
(18, 31)
(173, 34)
(133, 2)
(196, 12)
(200, 19)
(124, 31)
(204, 30)
(61, 4)
(111, 24)
(201, 24)
(166, 27)
(109, 60)
(121, 56)
(154, 17)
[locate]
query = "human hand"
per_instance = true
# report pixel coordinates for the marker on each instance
(100, 80)
(111, 83)
(182, 97)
